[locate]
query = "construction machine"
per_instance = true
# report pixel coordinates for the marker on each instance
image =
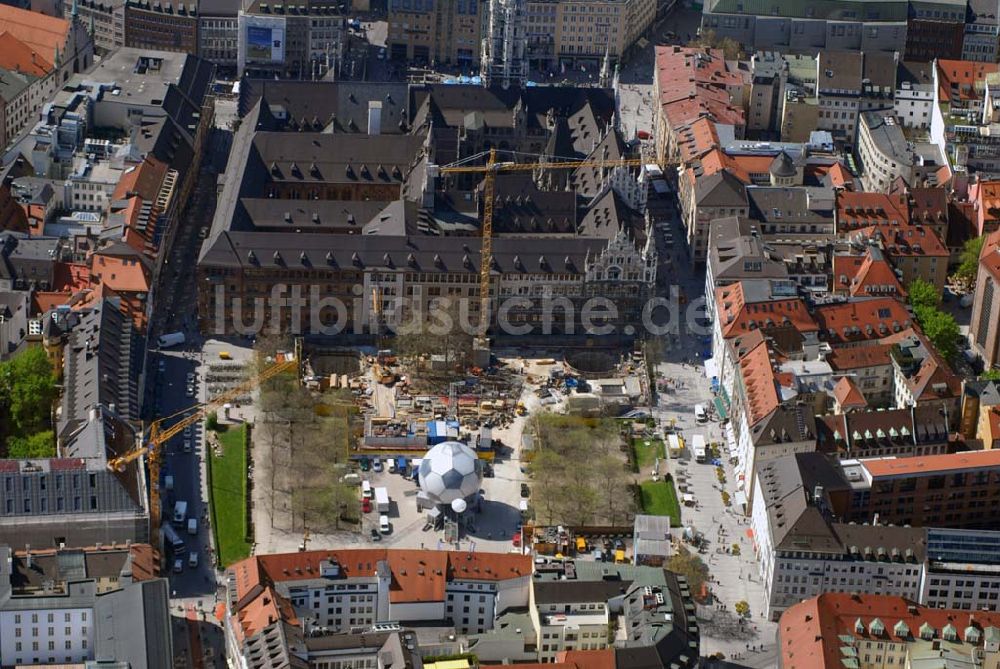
(158, 434)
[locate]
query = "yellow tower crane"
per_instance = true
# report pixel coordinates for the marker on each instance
(160, 435)
(489, 172)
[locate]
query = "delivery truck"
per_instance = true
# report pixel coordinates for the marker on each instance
(180, 512)
(172, 539)
(382, 499)
(675, 446)
(171, 339)
(698, 447)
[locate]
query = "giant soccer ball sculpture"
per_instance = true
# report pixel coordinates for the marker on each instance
(450, 471)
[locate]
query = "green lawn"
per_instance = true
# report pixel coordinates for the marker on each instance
(659, 498)
(646, 455)
(229, 493)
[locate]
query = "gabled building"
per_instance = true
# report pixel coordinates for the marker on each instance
(38, 53)
(890, 630)
(861, 323)
(868, 275)
(692, 83)
(75, 499)
(803, 551)
(905, 432)
(78, 605)
(922, 377)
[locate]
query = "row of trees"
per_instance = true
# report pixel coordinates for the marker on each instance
(579, 471)
(27, 394)
(939, 326)
(308, 451)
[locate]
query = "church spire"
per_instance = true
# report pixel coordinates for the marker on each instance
(604, 79)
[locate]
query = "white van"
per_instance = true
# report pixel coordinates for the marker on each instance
(193, 560)
(193, 526)
(366, 489)
(383, 524)
(700, 414)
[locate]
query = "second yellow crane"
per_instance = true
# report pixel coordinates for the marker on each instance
(160, 435)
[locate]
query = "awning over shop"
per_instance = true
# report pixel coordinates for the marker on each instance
(741, 500)
(720, 409)
(711, 368)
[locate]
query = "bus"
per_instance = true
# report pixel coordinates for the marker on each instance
(698, 446)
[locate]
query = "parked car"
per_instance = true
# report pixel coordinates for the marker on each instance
(365, 464)
(377, 464)
(376, 536)
(366, 505)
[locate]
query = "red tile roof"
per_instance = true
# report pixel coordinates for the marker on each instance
(693, 82)
(863, 320)
(42, 301)
(41, 33)
(122, 274)
(587, 659)
(958, 80)
(985, 196)
(143, 180)
(834, 175)
(861, 210)
(864, 276)
(989, 256)
(929, 206)
(417, 576)
(740, 166)
(855, 357)
(760, 383)
(903, 240)
(809, 633)
(70, 277)
(932, 464)
(739, 317)
(696, 138)
(411, 586)
(18, 56)
(847, 394)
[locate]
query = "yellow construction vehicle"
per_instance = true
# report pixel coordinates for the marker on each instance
(159, 435)
(489, 172)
